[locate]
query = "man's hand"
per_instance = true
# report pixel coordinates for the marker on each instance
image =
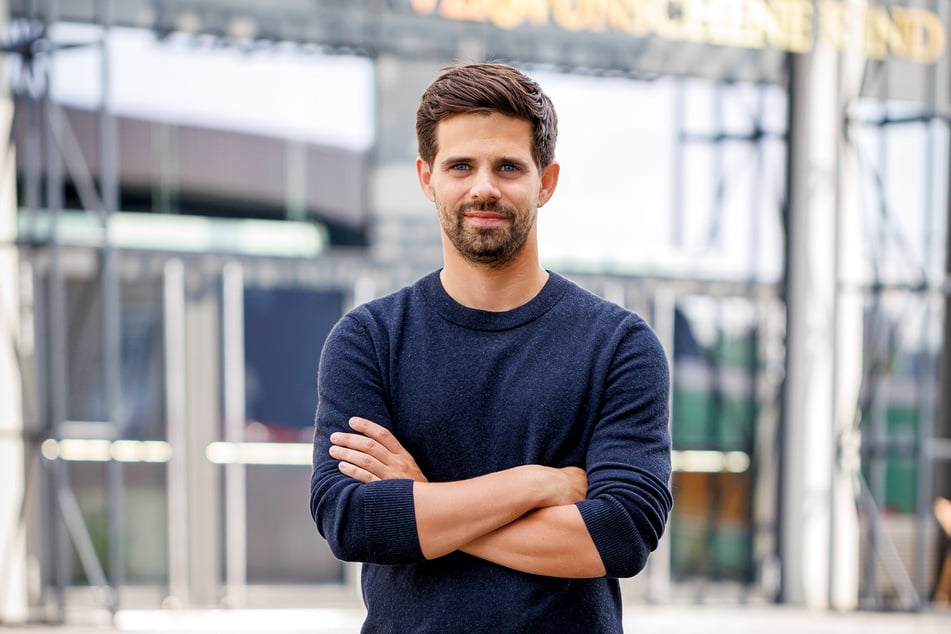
(373, 453)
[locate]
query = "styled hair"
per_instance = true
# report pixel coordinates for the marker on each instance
(487, 88)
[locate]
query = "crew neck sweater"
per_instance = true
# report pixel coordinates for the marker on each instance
(567, 379)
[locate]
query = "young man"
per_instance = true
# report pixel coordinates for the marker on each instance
(492, 441)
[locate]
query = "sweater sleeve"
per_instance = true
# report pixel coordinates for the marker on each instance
(373, 522)
(628, 459)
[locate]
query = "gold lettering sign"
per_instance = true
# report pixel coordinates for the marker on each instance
(879, 32)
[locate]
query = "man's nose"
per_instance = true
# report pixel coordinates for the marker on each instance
(485, 186)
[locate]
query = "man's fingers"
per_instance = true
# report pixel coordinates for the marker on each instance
(375, 451)
(356, 472)
(363, 444)
(359, 459)
(377, 432)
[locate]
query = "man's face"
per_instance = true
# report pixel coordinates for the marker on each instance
(486, 186)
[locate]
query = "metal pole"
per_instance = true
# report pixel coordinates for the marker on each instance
(111, 352)
(58, 359)
(111, 321)
(236, 544)
(33, 161)
(847, 352)
(13, 580)
(927, 407)
(176, 413)
(807, 417)
(943, 427)
(54, 161)
(758, 206)
(878, 422)
(677, 169)
(108, 164)
(756, 358)
(58, 396)
(202, 427)
(718, 154)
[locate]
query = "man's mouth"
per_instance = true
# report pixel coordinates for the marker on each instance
(485, 218)
(485, 214)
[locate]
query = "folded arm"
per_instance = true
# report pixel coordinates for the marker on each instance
(552, 541)
(523, 518)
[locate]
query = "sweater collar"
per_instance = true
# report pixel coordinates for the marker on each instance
(451, 310)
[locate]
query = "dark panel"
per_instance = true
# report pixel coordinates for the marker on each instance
(284, 330)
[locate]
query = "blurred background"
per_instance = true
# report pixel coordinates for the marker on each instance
(193, 192)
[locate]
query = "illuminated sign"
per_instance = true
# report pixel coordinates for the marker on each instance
(877, 31)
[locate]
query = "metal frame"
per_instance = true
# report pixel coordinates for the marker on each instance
(929, 450)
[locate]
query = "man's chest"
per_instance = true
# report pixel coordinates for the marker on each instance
(493, 402)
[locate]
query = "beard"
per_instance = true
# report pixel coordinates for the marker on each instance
(490, 246)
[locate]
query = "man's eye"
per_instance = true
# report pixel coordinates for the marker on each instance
(508, 167)
(459, 167)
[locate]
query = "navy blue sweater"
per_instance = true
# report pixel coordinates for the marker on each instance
(566, 379)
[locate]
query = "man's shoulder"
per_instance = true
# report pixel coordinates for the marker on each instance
(617, 327)
(594, 308)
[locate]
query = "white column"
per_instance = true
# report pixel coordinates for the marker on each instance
(203, 410)
(13, 596)
(819, 528)
(236, 520)
(176, 407)
(849, 324)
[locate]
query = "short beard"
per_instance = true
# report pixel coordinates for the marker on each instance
(494, 247)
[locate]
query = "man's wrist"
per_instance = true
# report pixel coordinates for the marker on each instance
(550, 486)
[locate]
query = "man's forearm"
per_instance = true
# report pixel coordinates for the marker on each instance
(551, 541)
(450, 515)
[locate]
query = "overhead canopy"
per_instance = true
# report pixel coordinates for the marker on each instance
(730, 40)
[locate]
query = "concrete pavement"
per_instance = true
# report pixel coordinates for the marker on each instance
(666, 619)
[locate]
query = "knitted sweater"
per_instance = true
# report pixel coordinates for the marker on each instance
(566, 379)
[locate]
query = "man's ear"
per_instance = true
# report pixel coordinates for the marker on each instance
(425, 175)
(549, 183)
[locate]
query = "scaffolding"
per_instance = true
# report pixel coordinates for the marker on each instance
(862, 451)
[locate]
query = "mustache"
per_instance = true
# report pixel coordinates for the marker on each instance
(486, 206)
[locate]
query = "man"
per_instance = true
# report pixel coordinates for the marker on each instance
(492, 441)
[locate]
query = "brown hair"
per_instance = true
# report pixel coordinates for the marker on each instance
(487, 88)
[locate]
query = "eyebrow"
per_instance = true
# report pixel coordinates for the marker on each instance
(453, 160)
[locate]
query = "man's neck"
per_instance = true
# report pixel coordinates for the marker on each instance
(493, 289)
